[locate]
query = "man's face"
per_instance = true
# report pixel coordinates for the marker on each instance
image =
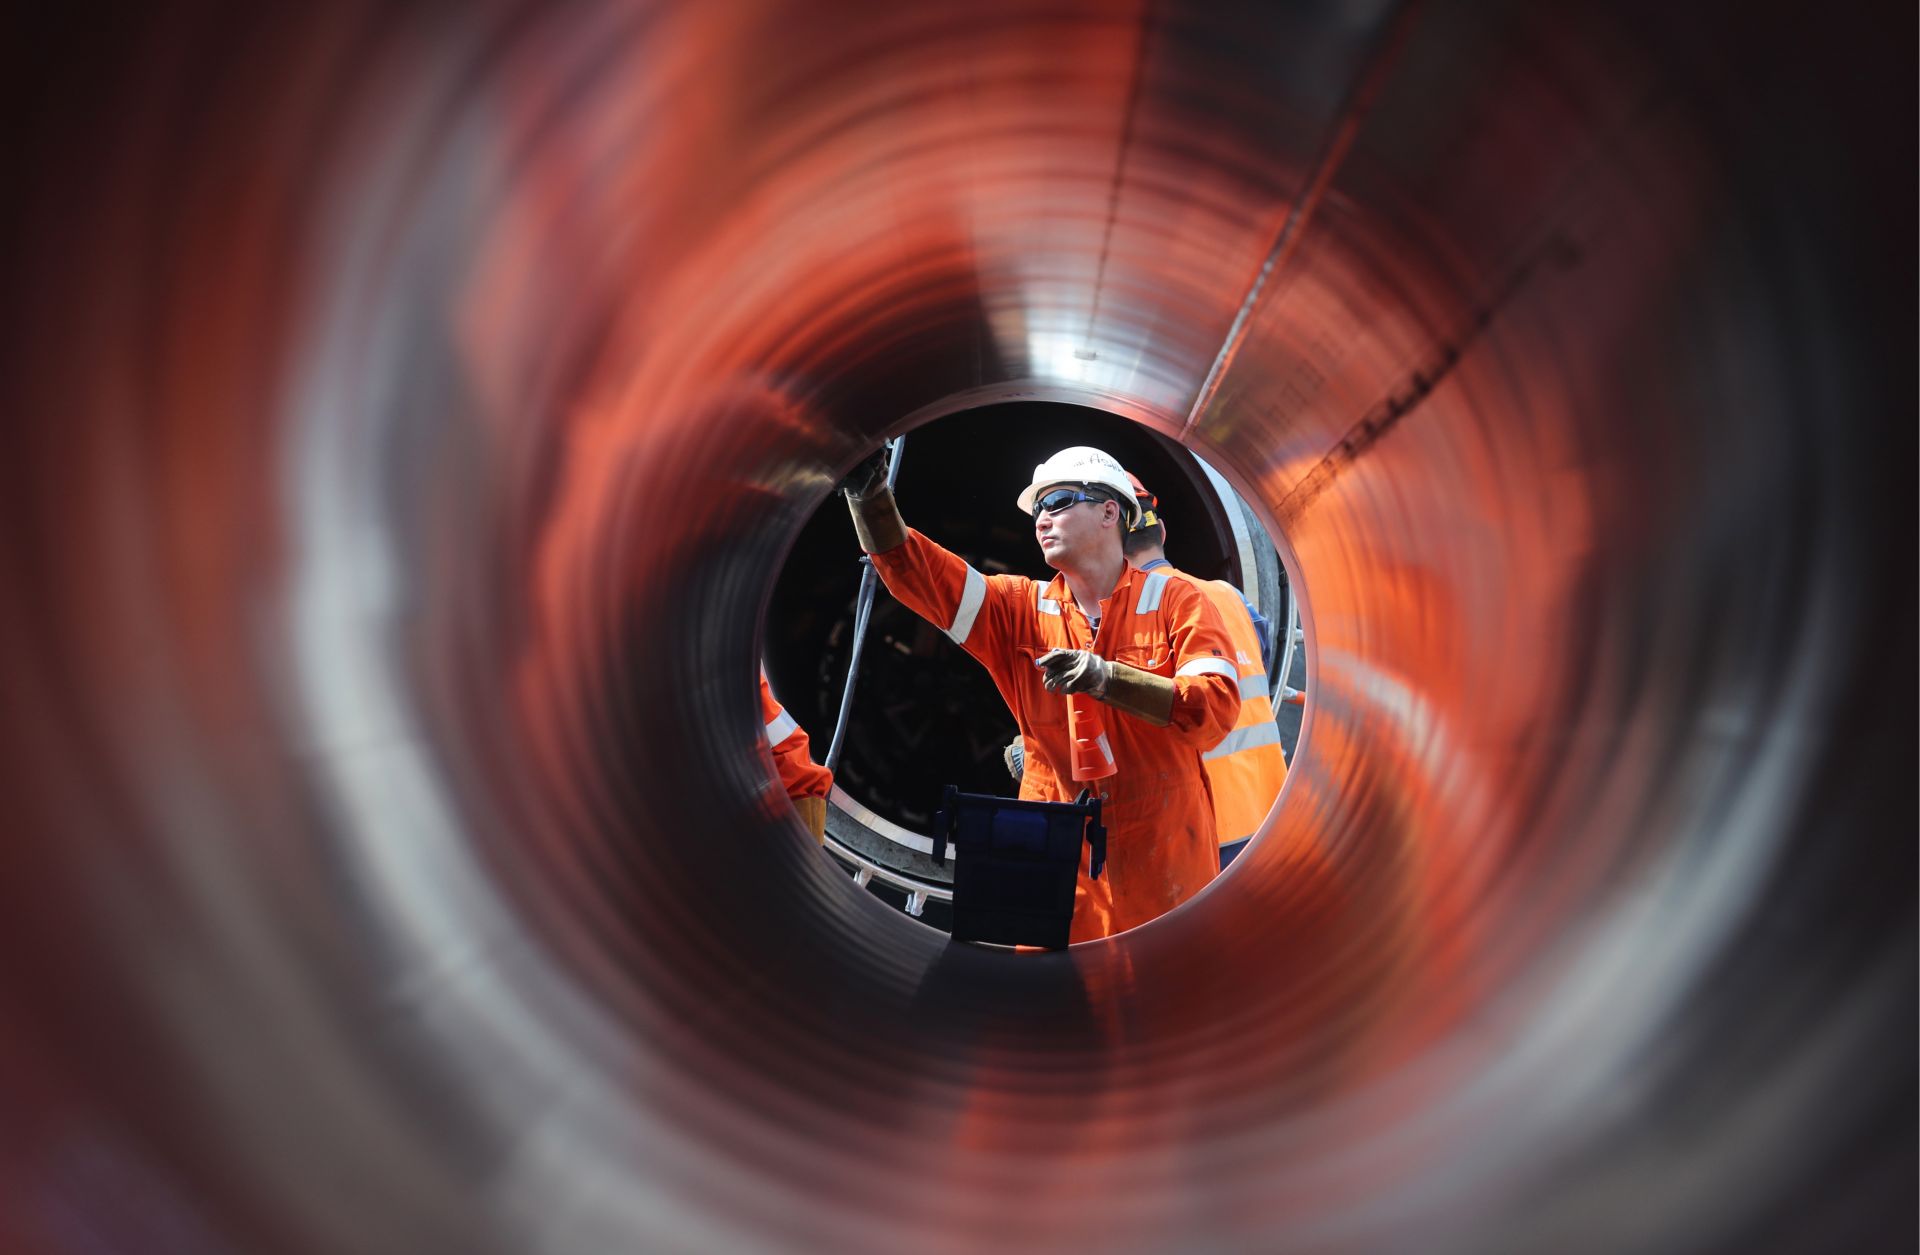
(1075, 533)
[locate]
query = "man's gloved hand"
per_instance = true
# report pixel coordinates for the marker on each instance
(1074, 671)
(870, 474)
(1015, 756)
(876, 517)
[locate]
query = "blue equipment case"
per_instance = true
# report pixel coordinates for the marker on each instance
(1017, 863)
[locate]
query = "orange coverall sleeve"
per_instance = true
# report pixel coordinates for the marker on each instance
(939, 586)
(1206, 681)
(800, 776)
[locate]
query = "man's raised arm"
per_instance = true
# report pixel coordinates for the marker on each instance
(933, 582)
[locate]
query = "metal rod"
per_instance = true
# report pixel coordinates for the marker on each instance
(1283, 686)
(862, 611)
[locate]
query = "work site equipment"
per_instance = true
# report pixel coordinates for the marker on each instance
(1016, 864)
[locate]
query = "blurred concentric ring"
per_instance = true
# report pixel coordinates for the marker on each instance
(406, 412)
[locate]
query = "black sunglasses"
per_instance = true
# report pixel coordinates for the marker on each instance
(1059, 499)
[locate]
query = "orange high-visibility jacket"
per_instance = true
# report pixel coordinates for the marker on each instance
(800, 776)
(1247, 768)
(1161, 844)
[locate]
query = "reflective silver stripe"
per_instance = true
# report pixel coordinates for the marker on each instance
(780, 727)
(1150, 590)
(971, 598)
(1041, 601)
(1253, 687)
(1105, 749)
(1209, 666)
(1247, 738)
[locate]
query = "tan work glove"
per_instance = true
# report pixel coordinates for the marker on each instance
(1137, 692)
(877, 521)
(813, 813)
(1140, 693)
(876, 517)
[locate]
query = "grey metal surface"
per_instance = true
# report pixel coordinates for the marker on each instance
(882, 840)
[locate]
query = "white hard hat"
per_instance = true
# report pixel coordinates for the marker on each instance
(1083, 465)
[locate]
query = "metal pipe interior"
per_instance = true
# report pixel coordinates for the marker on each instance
(407, 414)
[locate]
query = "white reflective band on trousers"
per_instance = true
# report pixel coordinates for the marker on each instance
(1252, 737)
(780, 727)
(972, 597)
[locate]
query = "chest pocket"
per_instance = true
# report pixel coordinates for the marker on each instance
(1155, 658)
(1147, 646)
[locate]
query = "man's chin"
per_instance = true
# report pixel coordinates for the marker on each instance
(1050, 556)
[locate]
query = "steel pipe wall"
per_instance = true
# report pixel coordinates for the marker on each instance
(406, 413)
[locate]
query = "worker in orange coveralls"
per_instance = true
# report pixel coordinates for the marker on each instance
(1246, 769)
(1150, 647)
(806, 782)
